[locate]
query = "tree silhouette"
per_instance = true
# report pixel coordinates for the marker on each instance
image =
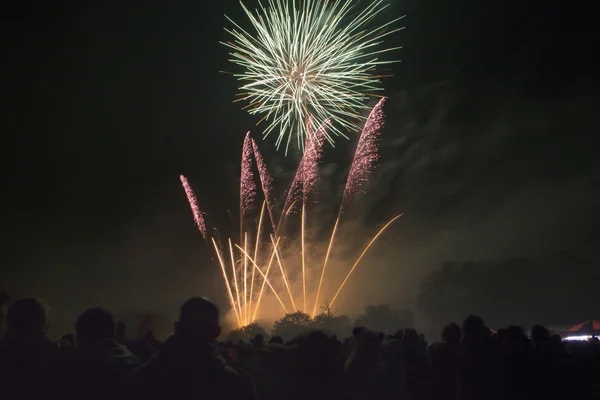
(292, 325)
(515, 291)
(340, 326)
(383, 318)
(327, 309)
(246, 333)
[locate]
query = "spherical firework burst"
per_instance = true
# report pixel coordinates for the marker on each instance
(310, 59)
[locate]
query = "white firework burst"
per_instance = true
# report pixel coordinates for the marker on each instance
(316, 59)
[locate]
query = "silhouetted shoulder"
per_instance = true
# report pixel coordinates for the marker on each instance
(240, 380)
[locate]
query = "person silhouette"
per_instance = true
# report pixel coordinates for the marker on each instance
(25, 347)
(97, 367)
(188, 365)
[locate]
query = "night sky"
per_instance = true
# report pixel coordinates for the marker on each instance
(490, 147)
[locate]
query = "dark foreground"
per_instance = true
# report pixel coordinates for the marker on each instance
(468, 363)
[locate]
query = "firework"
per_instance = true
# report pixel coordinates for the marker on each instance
(366, 155)
(258, 232)
(240, 284)
(310, 59)
(363, 164)
(307, 173)
(198, 215)
(361, 256)
(312, 157)
(266, 180)
(247, 184)
(227, 284)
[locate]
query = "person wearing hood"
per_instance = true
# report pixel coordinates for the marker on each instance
(97, 366)
(25, 347)
(188, 365)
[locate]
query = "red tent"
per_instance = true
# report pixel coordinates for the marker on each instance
(589, 327)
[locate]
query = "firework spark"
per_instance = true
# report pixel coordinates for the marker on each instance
(247, 184)
(309, 166)
(307, 173)
(266, 180)
(307, 59)
(366, 155)
(199, 216)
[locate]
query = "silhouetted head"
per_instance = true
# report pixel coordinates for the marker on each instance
(276, 339)
(474, 331)
(539, 335)
(198, 318)
(95, 324)
(516, 332)
(473, 325)
(516, 337)
(27, 317)
(316, 354)
(121, 327)
(409, 339)
(358, 331)
(258, 340)
(451, 334)
(398, 335)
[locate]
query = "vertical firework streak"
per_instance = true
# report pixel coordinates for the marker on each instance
(303, 260)
(266, 181)
(364, 162)
(311, 160)
(245, 280)
(307, 173)
(310, 177)
(247, 184)
(247, 195)
(258, 232)
(284, 275)
(227, 285)
(324, 266)
(304, 182)
(199, 216)
(366, 155)
(235, 280)
(265, 280)
(264, 277)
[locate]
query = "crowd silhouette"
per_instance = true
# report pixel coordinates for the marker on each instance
(469, 362)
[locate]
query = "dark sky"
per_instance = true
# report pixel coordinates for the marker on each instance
(490, 146)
